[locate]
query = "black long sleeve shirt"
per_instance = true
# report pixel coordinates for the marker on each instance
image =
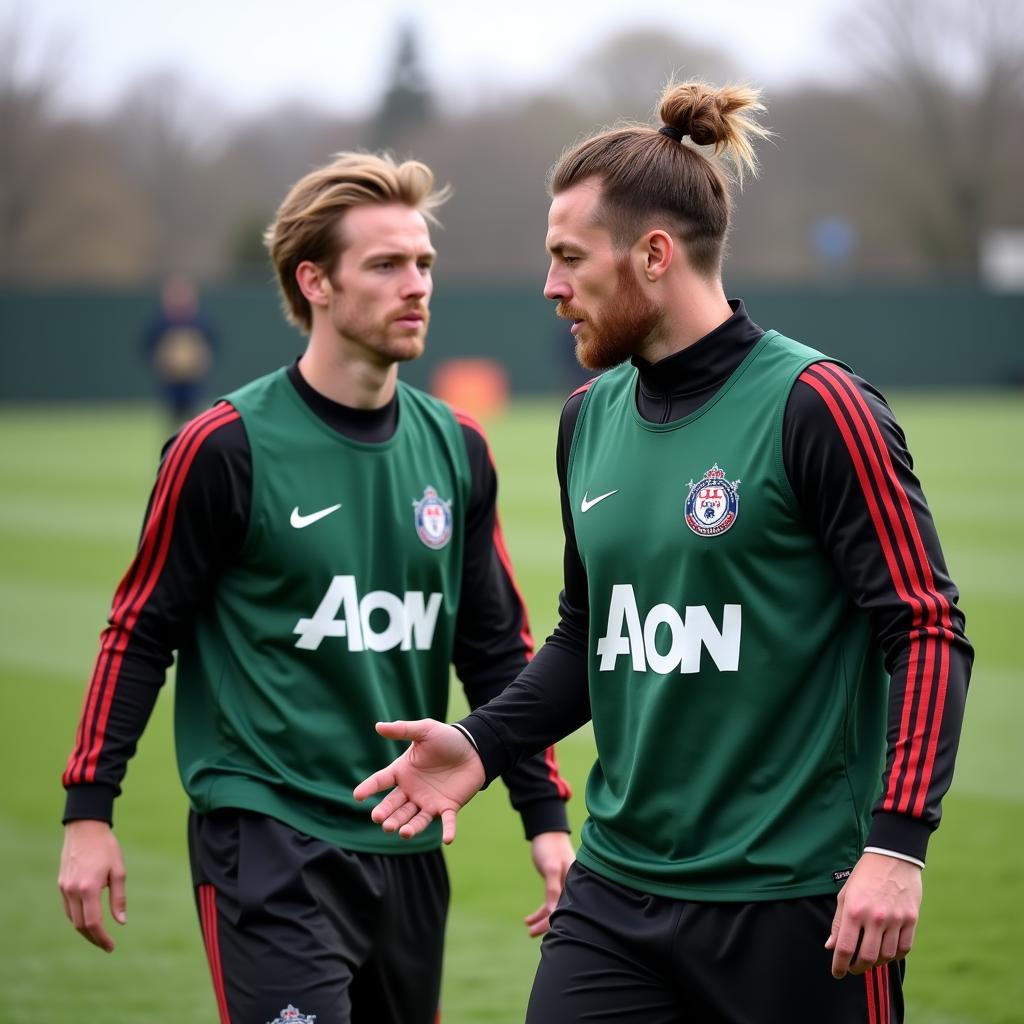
(855, 524)
(492, 639)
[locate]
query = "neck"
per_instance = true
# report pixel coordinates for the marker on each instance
(346, 373)
(696, 308)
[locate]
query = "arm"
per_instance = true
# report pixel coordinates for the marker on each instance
(195, 521)
(852, 474)
(550, 699)
(446, 765)
(492, 645)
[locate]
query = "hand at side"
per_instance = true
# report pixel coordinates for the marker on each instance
(90, 862)
(876, 914)
(553, 855)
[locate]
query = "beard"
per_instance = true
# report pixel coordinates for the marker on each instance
(384, 339)
(621, 328)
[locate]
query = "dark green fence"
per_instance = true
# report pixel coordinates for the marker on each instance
(81, 345)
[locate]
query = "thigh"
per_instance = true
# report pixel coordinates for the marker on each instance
(607, 956)
(400, 981)
(762, 963)
(286, 919)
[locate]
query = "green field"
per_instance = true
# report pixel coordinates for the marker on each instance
(74, 485)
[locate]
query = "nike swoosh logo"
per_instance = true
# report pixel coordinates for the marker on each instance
(586, 506)
(300, 521)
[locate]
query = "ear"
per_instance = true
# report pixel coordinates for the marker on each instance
(656, 252)
(312, 283)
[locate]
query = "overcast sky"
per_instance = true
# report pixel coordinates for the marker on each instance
(251, 54)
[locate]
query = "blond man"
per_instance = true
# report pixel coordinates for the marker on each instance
(319, 548)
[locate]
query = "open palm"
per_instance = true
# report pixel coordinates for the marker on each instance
(434, 777)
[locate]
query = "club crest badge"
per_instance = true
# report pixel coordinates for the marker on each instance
(712, 504)
(289, 1015)
(433, 517)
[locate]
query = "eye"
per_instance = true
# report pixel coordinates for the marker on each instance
(426, 265)
(570, 260)
(384, 265)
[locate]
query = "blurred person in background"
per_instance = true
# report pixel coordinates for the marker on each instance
(757, 617)
(180, 345)
(319, 548)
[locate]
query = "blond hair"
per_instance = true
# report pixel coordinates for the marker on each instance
(646, 174)
(307, 225)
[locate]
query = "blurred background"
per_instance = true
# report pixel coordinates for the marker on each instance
(144, 148)
(142, 141)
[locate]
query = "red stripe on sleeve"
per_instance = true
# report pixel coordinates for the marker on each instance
(208, 916)
(135, 588)
(499, 539)
(582, 388)
(935, 678)
(879, 483)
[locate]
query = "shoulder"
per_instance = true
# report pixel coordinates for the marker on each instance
(473, 435)
(248, 398)
(832, 408)
(216, 437)
(827, 393)
(571, 409)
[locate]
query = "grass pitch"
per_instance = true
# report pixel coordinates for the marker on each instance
(74, 487)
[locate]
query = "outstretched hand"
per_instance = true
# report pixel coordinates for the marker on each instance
(435, 777)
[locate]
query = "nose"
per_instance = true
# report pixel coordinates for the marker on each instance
(417, 283)
(556, 288)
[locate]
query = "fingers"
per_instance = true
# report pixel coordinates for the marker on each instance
(867, 954)
(888, 948)
(538, 915)
(84, 909)
(830, 942)
(395, 799)
(538, 922)
(394, 821)
(118, 896)
(378, 781)
(553, 889)
(416, 825)
(87, 916)
(844, 942)
(876, 915)
(857, 949)
(906, 940)
(405, 730)
(447, 825)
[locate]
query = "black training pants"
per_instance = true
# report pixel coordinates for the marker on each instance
(297, 929)
(618, 955)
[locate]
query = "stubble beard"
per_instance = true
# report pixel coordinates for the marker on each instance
(390, 343)
(406, 346)
(626, 323)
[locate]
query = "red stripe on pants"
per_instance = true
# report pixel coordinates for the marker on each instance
(208, 917)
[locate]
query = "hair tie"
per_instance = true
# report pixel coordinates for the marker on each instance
(672, 132)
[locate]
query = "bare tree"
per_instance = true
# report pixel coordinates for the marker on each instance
(166, 133)
(948, 78)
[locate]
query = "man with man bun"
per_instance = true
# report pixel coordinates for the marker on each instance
(756, 616)
(319, 548)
